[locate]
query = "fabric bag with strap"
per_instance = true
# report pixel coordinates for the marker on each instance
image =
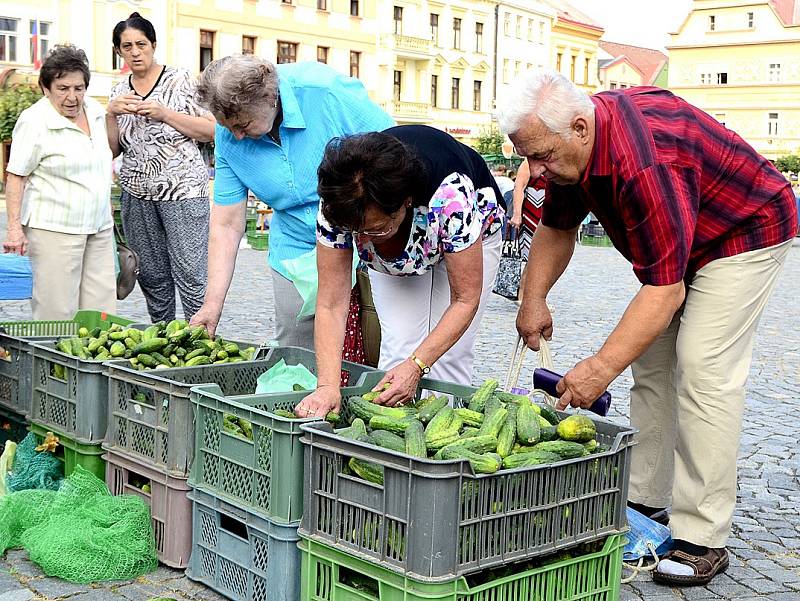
(127, 263)
(509, 273)
(545, 359)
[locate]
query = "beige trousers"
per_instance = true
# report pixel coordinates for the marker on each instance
(688, 396)
(71, 272)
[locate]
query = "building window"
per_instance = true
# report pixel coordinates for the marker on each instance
(479, 38)
(398, 20)
(435, 29)
(586, 64)
(457, 34)
(612, 86)
(720, 117)
(774, 72)
(398, 85)
(558, 62)
(354, 8)
(322, 4)
(750, 20)
(712, 23)
(476, 95)
(773, 124)
(206, 48)
(454, 100)
(42, 32)
(286, 1)
(541, 32)
(248, 44)
(705, 79)
(722, 78)
(287, 52)
(322, 54)
(116, 60)
(572, 68)
(517, 68)
(519, 27)
(8, 39)
(507, 25)
(434, 91)
(530, 30)
(355, 63)
(506, 69)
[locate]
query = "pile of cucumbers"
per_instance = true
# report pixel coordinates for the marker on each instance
(496, 430)
(159, 346)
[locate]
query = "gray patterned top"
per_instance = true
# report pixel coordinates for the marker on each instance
(159, 162)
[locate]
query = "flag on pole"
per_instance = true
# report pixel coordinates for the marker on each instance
(37, 60)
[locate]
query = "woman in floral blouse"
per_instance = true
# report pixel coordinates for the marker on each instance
(423, 212)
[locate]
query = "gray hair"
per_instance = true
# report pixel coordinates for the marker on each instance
(548, 95)
(235, 84)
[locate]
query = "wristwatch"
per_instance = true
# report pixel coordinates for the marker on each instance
(423, 367)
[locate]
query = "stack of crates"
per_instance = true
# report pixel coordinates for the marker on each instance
(247, 486)
(32, 388)
(436, 530)
(149, 440)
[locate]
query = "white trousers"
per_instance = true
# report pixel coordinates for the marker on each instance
(688, 396)
(71, 272)
(410, 307)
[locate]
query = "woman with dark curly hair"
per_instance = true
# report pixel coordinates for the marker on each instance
(154, 122)
(424, 213)
(57, 192)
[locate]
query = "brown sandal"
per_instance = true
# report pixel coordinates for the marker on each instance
(713, 562)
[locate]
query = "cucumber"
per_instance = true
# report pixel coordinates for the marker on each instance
(392, 424)
(493, 422)
(415, 439)
(530, 459)
(565, 449)
(148, 346)
(389, 440)
(471, 418)
(508, 433)
(431, 408)
(366, 470)
(478, 400)
(528, 429)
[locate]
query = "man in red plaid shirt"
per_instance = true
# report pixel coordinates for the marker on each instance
(707, 224)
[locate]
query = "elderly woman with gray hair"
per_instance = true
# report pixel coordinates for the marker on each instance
(272, 127)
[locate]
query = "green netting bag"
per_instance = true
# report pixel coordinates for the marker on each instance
(80, 532)
(34, 469)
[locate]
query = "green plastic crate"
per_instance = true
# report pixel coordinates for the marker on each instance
(263, 475)
(330, 575)
(13, 427)
(16, 338)
(600, 241)
(72, 453)
(258, 240)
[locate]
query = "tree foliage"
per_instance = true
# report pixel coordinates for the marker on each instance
(14, 100)
(489, 141)
(789, 163)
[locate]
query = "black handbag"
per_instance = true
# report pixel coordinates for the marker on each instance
(128, 267)
(509, 273)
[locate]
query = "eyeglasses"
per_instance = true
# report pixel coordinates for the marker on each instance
(393, 218)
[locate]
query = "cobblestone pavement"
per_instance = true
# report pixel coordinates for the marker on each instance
(765, 545)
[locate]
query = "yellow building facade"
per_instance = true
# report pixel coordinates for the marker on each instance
(425, 61)
(574, 46)
(740, 62)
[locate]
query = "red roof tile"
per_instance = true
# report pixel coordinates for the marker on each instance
(648, 61)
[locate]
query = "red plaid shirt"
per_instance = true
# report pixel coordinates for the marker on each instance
(673, 188)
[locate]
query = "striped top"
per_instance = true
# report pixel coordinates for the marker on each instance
(69, 173)
(318, 104)
(673, 188)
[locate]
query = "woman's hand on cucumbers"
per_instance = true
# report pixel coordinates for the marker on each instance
(207, 317)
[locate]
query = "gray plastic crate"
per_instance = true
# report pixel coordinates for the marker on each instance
(437, 520)
(241, 555)
(160, 428)
(16, 363)
(13, 427)
(263, 474)
(170, 508)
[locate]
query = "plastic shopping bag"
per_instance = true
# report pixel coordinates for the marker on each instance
(6, 461)
(647, 540)
(286, 378)
(302, 271)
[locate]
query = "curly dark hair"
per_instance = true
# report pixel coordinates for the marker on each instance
(135, 21)
(63, 59)
(368, 169)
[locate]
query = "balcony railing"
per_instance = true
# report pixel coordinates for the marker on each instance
(403, 110)
(407, 43)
